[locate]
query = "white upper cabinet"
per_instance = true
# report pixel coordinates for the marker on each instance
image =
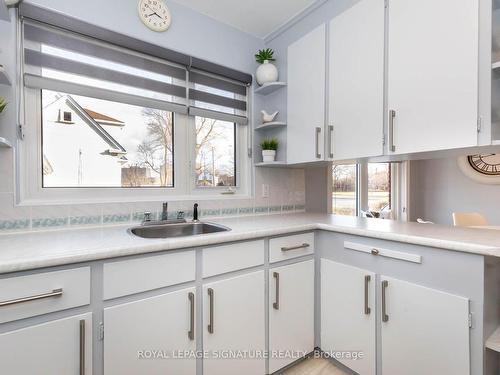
(356, 84)
(432, 75)
(306, 97)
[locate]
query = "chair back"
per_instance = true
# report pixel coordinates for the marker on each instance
(468, 219)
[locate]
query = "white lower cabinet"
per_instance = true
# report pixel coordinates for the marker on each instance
(148, 336)
(424, 331)
(234, 325)
(291, 313)
(348, 315)
(57, 347)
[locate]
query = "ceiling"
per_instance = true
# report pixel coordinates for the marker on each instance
(256, 17)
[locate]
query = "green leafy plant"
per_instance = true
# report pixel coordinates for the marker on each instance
(3, 104)
(263, 55)
(269, 144)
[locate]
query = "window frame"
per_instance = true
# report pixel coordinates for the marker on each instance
(29, 190)
(398, 186)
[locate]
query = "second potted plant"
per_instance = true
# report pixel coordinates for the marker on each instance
(269, 147)
(3, 104)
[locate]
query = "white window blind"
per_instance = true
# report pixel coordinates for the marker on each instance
(68, 55)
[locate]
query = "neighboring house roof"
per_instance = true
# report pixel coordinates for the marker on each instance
(47, 167)
(94, 125)
(103, 119)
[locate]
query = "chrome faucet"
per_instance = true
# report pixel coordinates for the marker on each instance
(164, 212)
(195, 213)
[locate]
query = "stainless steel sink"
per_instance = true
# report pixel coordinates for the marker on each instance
(177, 230)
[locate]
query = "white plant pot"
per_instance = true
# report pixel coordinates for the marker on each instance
(268, 156)
(266, 72)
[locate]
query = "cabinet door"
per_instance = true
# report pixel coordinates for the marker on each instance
(306, 97)
(433, 74)
(141, 337)
(425, 331)
(234, 322)
(57, 347)
(291, 312)
(348, 314)
(356, 94)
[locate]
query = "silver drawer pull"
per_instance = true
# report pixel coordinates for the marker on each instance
(375, 251)
(296, 247)
(367, 282)
(276, 303)
(54, 293)
(191, 316)
(82, 347)
(385, 317)
(211, 310)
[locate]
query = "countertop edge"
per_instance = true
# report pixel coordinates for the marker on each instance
(140, 247)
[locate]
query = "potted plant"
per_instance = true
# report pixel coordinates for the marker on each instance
(3, 104)
(269, 147)
(266, 72)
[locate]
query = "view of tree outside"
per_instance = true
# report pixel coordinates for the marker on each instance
(215, 152)
(379, 186)
(105, 144)
(157, 149)
(344, 189)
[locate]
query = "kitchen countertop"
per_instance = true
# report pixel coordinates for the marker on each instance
(31, 250)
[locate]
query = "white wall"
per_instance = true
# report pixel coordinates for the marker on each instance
(438, 187)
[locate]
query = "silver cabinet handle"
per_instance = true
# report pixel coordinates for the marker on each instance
(367, 282)
(318, 132)
(82, 347)
(191, 315)
(276, 303)
(296, 247)
(330, 141)
(54, 293)
(385, 317)
(392, 115)
(211, 310)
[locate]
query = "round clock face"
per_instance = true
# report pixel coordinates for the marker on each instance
(487, 164)
(154, 14)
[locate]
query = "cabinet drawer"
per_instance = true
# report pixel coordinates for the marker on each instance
(291, 246)
(227, 258)
(139, 275)
(26, 296)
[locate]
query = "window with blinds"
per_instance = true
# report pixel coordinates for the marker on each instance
(110, 106)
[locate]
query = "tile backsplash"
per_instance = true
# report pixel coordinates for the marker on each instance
(286, 194)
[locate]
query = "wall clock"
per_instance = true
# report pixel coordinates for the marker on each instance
(483, 168)
(154, 14)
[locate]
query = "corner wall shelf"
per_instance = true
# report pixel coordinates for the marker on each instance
(268, 88)
(271, 164)
(5, 143)
(270, 125)
(4, 79)
(493, 341)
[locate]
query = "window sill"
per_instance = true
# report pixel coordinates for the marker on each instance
(149, 198)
